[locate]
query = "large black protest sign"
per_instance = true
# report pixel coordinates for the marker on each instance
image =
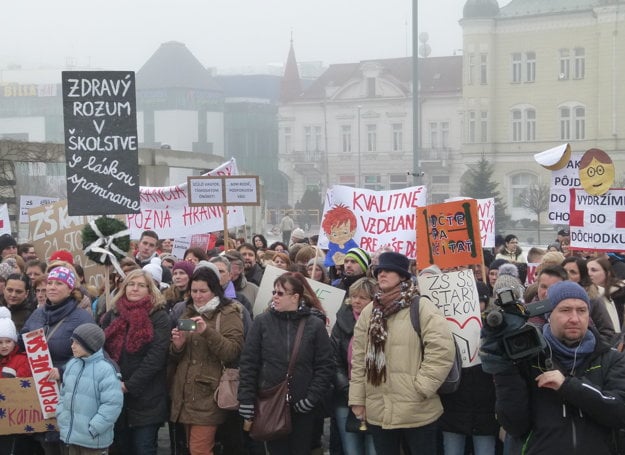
(101, 146)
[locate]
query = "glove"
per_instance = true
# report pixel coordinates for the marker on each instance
(246, 411)
(304, 406)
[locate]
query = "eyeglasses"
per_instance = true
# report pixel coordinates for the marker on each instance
(281, 293)
(134, 284)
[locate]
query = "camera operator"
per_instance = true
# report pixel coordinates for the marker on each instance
(570, 397)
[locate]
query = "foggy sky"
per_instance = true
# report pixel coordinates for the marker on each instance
(123, 34)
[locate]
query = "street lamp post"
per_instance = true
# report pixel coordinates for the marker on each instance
(359, 151)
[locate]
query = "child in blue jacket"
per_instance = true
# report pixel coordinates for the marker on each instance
(91, 394)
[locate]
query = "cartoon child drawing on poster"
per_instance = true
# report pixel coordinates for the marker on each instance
(596, 172)
(339, 225)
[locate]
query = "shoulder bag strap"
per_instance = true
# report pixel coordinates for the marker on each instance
(54, 329)
(298, 342)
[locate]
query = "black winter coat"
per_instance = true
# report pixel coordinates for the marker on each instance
(579, 418)
(144, 375)
(265, 357)
(342, 333)
(470, 410)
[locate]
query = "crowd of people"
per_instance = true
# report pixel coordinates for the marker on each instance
(148, 351)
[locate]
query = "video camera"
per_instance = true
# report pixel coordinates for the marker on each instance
(520, 340)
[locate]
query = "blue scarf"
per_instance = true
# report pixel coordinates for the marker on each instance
(567, 356)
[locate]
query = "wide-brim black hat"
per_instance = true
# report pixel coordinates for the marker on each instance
(393, 262)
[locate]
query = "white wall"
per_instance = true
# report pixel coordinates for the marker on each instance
(35, 127)
(176, 128)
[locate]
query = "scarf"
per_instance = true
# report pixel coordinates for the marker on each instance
(384, 306)
(208, 306)
(133, 319)
(568, 356)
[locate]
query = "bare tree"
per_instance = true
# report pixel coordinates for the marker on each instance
(535, 199)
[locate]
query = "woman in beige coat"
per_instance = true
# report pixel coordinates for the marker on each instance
(199, 357)
(394, 381)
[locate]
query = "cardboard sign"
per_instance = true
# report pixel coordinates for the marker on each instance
(531, 273)
(331, 298)
(41, 363)
(448, 235)
(486, 215)
(29, 202)
(5, 221)
(182, 244)
(562, 181)
(20, 411)
(52, 229)
(101, 145)
(357, 217)
(455, 295)
(166, 211)
(597, 222)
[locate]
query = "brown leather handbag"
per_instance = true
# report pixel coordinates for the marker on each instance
(226, 393)
(272, 411)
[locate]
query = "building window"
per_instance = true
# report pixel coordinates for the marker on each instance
(471, 69)
(517, 125)
(433, 135)
(308, 139)
(318, 138)
(373, 182)
(445, 135)
(565, 123)
(346, 138)
(518, 184)
(530, 66)
(472, 126)
(372, 138)
(580, 63)
(483, 68)
(565, 65)
(371, 87)
(288, 138)
(347, 180)
(398, 137)
(484, 126)
(580, 123)
(517, 65)
(398, 181)
(530, 124)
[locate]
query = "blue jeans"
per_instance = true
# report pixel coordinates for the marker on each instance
(454, 444)
(353, 443)
(141, 440)
(418, 439)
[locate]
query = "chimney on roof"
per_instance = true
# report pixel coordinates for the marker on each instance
(290, 87)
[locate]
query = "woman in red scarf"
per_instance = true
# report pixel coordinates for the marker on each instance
(137, 333)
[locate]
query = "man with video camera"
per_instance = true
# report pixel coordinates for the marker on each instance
(567, 398)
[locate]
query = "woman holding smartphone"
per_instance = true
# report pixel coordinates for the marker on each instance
(208, 337)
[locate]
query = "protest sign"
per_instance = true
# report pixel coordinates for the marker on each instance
(101, 146)
(486, 215)
(531, 273)
(29, 202)
(331, 298)
(597, 222)
(455, 295)
(52, 229)
(182, 244)
(5, 221)
(562, 181)
(166, 211)
(370, 220)
(40, 363)
(448, 235)
(20, 411)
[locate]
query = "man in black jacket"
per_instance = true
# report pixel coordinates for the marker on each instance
(569, 399)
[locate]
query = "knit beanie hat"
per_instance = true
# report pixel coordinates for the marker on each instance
(155, 269)
(360, 256)
(6, 241)
(566, 290)
(208, 265)
(7, 268)
(186, 266)
(7, 327)
(64, 275)
(90, 336)
(552, 258)
(62, 255)
(298, 234)
(509, 278)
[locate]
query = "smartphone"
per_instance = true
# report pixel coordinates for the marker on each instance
(187, 325)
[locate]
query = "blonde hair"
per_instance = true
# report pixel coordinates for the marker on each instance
(158, 301)
(363, 286)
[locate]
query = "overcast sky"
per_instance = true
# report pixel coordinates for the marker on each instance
(123, 34)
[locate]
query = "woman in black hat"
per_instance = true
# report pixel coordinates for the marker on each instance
(396, 372)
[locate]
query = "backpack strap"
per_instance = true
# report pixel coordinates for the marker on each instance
(414, 315)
